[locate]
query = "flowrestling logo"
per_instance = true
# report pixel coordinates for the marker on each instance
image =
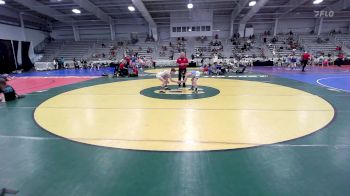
(324, 14)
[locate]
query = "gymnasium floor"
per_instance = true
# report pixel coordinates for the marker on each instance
(268, 132)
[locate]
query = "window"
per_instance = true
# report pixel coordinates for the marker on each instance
(198, 28)
(184, 29)
(174, 29)
(202, 28)
(178, 29)
(193, 28)
(207, 28)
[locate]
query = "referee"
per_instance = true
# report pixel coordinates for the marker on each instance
(182, 62)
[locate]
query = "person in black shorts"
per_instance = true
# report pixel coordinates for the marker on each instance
(7, 92)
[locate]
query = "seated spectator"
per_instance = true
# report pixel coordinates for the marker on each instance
(7, 92)
(76, 65)
(325, 62)
(274, 40)
(123, 71)
(135, 72)
(205, 69)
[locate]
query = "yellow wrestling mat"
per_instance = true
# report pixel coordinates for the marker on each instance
(243, 114)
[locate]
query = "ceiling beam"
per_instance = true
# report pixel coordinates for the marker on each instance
(46, 10)
(144, 12)
(240, 6)
(92, 8)
(260, 4)
(339, 5)
(14, 13)
(294, 5)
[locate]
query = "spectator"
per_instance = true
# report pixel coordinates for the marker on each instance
(340, 60)
(123, 71)
(7, 92)
(75, 63)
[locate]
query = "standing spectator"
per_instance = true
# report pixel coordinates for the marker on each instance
(182, 62)
(305, 59)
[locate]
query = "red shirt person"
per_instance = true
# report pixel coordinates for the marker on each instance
(182, 62)
(305, 59)
(339, 62)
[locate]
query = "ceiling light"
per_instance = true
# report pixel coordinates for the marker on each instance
(252, 3)
(2, 2)
(317, 1)
(190, 6)
(131, 8)
(76, 11)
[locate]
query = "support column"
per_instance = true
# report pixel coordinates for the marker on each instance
(76, 33)
(154, 32)
(241, 29)
(112, 28)
(320, 25)
(231, 26)
(24, 37)
(275, 27)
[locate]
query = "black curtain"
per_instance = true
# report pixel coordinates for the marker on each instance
(15, 50)
(7, 58)
(26, 62)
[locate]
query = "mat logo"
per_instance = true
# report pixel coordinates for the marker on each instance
(324, 14)
(180, 94)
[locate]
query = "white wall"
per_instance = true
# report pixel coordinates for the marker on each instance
(164, 33)
(332, 25)
(197, 17)
(15, 33)
(300, 26)
(102, 33)
(221, 26)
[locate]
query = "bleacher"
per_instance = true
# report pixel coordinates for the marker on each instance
(205, 48)
(326, 46)
(344, 39)
(72, 49)
(51, 49)
(104, 47)
(173, 50)
(282, 48)
(254, 51)
(142, 49)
